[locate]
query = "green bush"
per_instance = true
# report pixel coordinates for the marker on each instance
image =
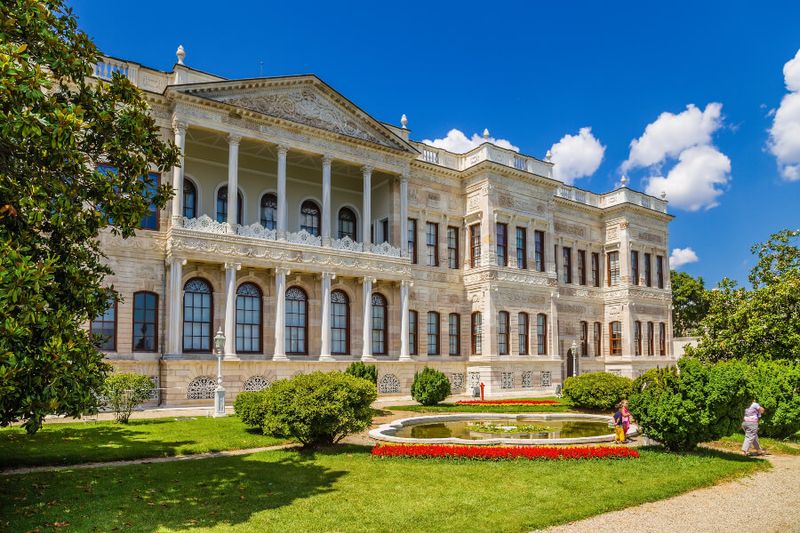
(360, 370)
(124, 391)
(251, 408)
(430, 386)
(600, 391)
(700, 402)
(775, 385)
(318, 408)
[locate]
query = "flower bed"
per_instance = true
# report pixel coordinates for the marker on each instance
(507, 402)
(430, 451)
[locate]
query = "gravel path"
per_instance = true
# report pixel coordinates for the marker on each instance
(764, 502)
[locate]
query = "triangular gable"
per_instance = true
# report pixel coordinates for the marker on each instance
(302, 100)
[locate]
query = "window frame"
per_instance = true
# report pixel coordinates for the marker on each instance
(305, 322)
(503, 327)
(265, 222)
(635, 267)
(584, 338)
(373, 329)
(210, 322)
(523, 333)
(612, 268)
(615, 338)
(413, 332)
(339, 220)
(152, 209)
(114, 322)
(432, 248)
(598, 339)
(595, 269)
(476, 332)
(541, 334)
(436, 335)
(260, 324)
(651, 348)
(501, 243)
(538, 250)
(239, 205)
(648, 274)
(662, 339)
(412, 240)
(582, 267)
(346, 328)
(637, 337)
(453, 252)
(315, 230)
(154, 323)
(475, 245)
(521, 235)
(566, 257)
(454, 337)
(193, 186)
(660, 271)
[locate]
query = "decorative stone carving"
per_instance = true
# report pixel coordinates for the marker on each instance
(506, 380)
(256, 231)
(201, 388)
(347, 244)
(527, 379)
(205, 224)
(304, 237)
(385, 249)
(650, 237)
(612, 233)
(256, 383)
(389, 384)
(155, 394)
(456, 381)
(546, 376)
(570, 229)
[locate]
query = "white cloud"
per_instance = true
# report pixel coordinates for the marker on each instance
(671, 134)
(696, 181)
(682, 256)
(456, 141)
(784, 136)
(576, 156)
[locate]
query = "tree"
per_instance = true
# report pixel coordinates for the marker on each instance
(762, 323)
(689, 302)
(56, 126)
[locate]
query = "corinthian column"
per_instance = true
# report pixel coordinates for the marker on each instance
(366, 333)
(230, 307)
(280, 314)
(367, 208)
(174, 305)
(405, 287)
(404, 216)
(179, 128)
(325, 333)
(326, 200)
(282, 151)
(233, 179)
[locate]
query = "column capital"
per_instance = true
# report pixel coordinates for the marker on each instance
(179, 126)
(367, 279)
(175, 260)
(366, 170)
(234, 139)
(403, 178)
(283, 270)
(407, 283)
(327, 159)
(283, 150)
(329, 275)
(233, 266)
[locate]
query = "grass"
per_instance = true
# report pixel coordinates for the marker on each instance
(776, 446)
(453, 408)
(345, 489)
(81, 442)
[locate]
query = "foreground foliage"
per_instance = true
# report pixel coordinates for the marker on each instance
(776, 386)
(124, 391)
(346, 489)
(689, 303)
(431, 451)
(84, 442)
(360, 370)
(599, 391)
(316, 409)
(55, 126)
(699, 403)
(430, 386)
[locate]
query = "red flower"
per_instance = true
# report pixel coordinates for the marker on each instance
(507, 402)
(502, 452)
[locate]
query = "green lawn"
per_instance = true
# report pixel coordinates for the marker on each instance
(453, 408)
(347, 490)
(782, 447)
(81, 442)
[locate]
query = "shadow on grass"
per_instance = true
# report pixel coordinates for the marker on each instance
(704, 451)
(179, 496)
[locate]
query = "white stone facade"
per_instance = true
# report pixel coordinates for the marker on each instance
(466, 252)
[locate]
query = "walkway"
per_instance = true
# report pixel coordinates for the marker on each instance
(764, 502)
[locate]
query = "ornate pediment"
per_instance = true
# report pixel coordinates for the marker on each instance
(305, 103)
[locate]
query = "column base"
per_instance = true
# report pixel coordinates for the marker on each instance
(326, 358)
(281, 357)
(405, 358)
(368, 359)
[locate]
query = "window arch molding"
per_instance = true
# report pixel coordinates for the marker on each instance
(198, 315)
(242, 215)
(340, 322)
(338, 229)
(379, 335)
(296, 320)
(300, 218)
(261, 196)
(198, 196)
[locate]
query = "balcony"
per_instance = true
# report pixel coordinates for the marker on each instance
(617, 197)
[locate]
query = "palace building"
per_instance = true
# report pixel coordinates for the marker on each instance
(314, 235)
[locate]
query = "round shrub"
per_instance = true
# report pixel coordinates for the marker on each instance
(360, 370)
(124, 391)
(430, 386)
(251, 408)
(776, 386)
(599, 391)
(318, 408)
(699, 403)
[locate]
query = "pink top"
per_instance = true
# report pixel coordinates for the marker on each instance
(752, 413)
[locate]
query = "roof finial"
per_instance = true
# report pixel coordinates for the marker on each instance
(623, 181)
(486, 133)
(663, 195)
(180, 54)
(548, 156)
(404, 121)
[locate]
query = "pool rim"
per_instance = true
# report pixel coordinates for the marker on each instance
(379, 433)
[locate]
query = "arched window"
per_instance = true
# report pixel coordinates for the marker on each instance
(340, 323)
(454, 333)
(105, 327)
(189, 199)
(541, 334)
(197, 313)
(584, 339)
(248, 318)
(222, 205)
(269, 210)
(296, 321)
(145, 319)
(502, 333)
(378, 324)
(433, 333)
(309, 217)
(347, 223)
(522, 327)
(615, 338)
(476, 334)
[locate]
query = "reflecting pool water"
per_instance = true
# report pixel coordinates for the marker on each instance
(492, 428)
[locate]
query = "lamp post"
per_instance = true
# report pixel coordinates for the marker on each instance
(219, 392)
(574, 350)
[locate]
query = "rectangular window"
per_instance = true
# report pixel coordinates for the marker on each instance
(650, 339)
(595, 269)
(432, 243)
(412, 332)
(612, 267)
(662, 339)
(145, 320)
(433, 333)
(502, 333)
(105, 328)
(454, 334)
(522, 327)
(647, 277)
(502, 245)
(634, 267)
(615, 338)
(598, 340)
(538, 244)
(541, 334)
(452, 247)
(150, 220)
(412, 239)
(476, 333)
(637, 337)
(584, 339)
(555, 258)
(660, 271)
(582, 267)
(522, 248)
(475, 245)
(566, 263)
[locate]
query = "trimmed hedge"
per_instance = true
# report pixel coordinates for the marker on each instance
(360, 370)
(251, 407)
(598, 391)
(430, 386)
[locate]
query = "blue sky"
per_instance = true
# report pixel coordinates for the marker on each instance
(532, 73)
